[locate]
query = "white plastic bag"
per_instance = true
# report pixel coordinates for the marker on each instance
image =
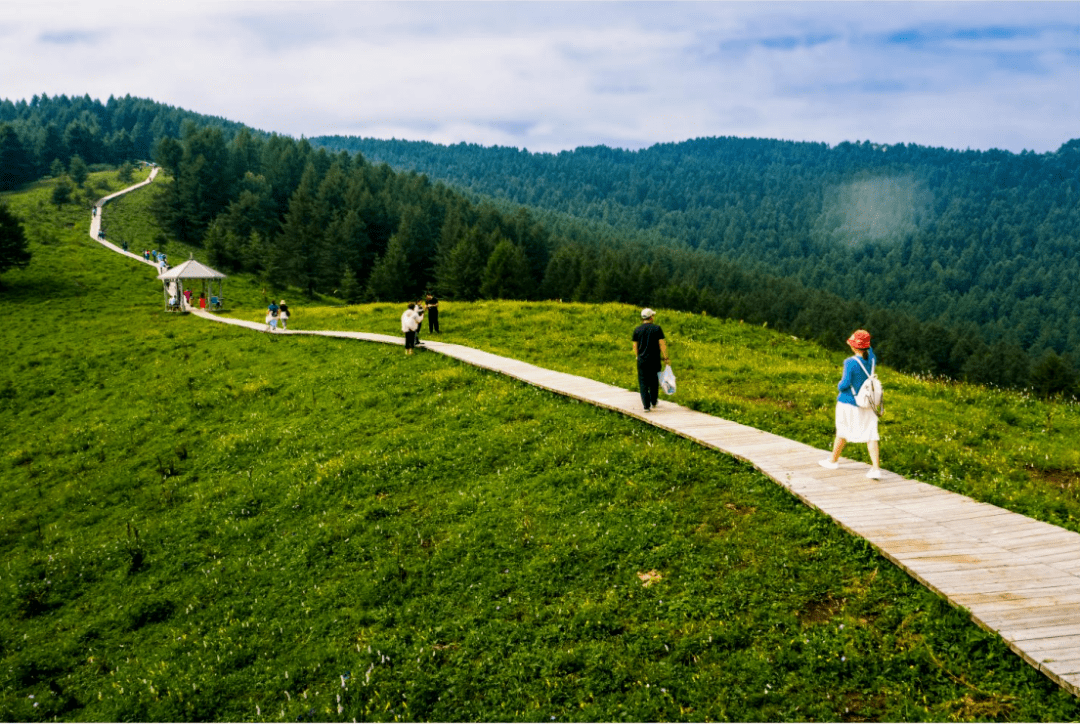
(667, 380)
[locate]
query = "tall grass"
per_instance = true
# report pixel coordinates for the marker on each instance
(202, 523)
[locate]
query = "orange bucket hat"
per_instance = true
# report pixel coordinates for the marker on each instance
(859, 339)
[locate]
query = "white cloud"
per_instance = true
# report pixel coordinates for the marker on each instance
(557, 75)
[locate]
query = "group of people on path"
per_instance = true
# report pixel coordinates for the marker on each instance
(412, 320)
(277, 314)
(159, 258)
(853, 422)
(174, 301)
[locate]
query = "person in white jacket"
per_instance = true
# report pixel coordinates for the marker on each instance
(410, 322)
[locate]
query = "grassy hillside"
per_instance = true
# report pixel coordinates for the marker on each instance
(202, 523)
(1002, 447)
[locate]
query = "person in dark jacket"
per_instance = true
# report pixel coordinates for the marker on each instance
(650, 349)
(433, 314)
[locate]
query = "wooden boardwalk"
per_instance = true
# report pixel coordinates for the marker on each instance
(1016, 576)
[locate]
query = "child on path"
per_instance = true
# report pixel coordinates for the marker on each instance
(854, 423)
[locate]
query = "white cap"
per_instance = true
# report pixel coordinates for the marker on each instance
(646, 313)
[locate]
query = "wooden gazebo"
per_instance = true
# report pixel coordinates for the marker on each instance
(199, 278)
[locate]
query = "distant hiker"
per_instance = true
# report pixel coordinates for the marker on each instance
(283, 313)
(272, 315)
(854, 423)
(433, 314)
(410, 322)
(650, 349)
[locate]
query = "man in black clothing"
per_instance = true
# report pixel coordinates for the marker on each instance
(650, 348)
(433, 314)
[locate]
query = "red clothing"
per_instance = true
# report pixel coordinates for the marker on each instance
(202, 302)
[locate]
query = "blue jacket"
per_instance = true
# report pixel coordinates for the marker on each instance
(854, 377)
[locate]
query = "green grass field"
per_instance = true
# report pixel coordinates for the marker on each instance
(203, 523)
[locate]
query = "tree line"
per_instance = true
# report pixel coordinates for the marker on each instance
(38, 134)
(335, 222)
(982, 242)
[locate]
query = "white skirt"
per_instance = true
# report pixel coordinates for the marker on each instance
(856, 424)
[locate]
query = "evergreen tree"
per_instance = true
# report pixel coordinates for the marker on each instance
(350, 289)
(461, 274)
(563, 273)
(82, 140)
(52, 148)
(14, 251)
(507, 274)
(302, 232)
(16, 163)
(390, 280)
(1053, 376)
(61, 193)
(77, 170)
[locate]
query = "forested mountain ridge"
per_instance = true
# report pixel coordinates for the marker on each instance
(337, 223)
(37, 133)
(985, 238)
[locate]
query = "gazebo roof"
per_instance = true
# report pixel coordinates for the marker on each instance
(191, 269)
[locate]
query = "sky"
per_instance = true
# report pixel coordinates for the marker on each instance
(551, 76)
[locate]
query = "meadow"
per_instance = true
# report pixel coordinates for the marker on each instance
(202, 523)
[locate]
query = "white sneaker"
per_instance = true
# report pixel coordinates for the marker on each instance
(874, 474)
(828, 464)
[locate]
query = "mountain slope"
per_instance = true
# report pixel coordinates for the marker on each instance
(202, 523)
(960, 238)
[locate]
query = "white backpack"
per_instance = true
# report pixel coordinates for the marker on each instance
(870, 395)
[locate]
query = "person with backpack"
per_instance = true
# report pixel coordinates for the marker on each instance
(272, 316)
(857, 422)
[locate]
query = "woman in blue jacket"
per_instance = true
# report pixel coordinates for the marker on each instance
(854, 423)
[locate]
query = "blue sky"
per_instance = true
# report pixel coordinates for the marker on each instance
(553, 76)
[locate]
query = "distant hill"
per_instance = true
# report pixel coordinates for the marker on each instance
(973, 239)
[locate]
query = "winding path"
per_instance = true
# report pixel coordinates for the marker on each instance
(1016, 576)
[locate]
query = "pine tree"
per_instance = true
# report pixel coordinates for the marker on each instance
(350, 289)
(389, 280)
(462, 273)
(16, 163)
(77, 170)
(14, 253)
(506, 275)
(61, 193)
